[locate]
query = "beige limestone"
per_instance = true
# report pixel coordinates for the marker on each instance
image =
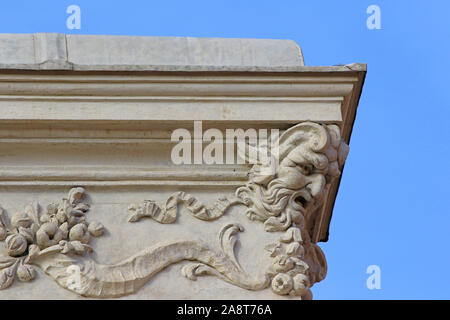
(86, 177)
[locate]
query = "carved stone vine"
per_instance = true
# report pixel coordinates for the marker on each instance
(284, 201)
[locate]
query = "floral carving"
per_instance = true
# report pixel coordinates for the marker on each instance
(63, 224)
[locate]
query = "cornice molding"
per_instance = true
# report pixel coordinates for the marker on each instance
(285, 202)
(74, 126)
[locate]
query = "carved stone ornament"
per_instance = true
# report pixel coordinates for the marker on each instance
(283, 202)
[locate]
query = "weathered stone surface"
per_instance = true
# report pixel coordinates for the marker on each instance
(87, 182)
(84, 52)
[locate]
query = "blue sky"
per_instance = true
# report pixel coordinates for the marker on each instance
(392, 209)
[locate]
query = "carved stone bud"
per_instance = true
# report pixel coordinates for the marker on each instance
(21, 219)
(80, 233)
(65, 229)
(95, 229)
(25, 272)
(3, 233)
(16, 245)
(61, 216)
(48, 235)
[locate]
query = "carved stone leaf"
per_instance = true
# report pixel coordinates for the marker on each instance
(292, 248)
(80, 248)
(7, 277)
(32, 210)
(227, 240)
(3, 233)
(6, 262)
(3, 229)
(2, 218)
(273, 248)
(292, 234)
(192, 270)
(281, 223)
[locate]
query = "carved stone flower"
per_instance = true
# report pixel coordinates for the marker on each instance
(282, 284)
(54, 214)
(49, 234)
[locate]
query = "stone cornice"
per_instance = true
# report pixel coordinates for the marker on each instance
(134, 101)
(106, 126)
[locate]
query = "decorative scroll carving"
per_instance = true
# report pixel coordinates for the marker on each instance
(285, 201)
(168, 212)
(126, 277)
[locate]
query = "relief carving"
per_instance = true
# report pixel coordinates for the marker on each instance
(28, 235)
(285, 201)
